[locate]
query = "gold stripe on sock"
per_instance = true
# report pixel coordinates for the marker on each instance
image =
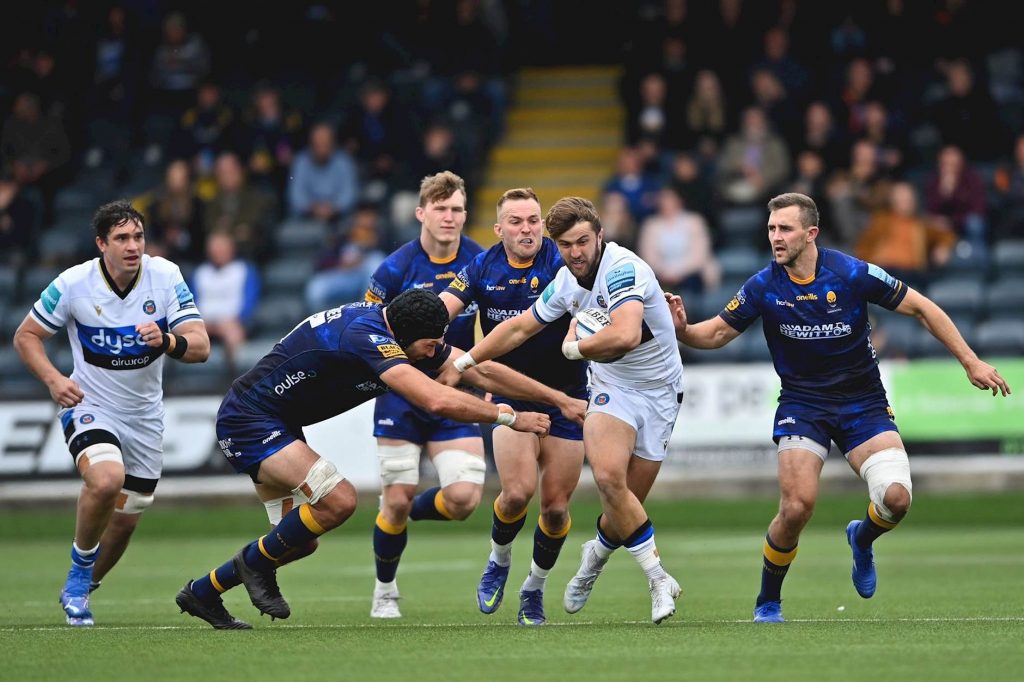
(878, 520)
(387, 526)
(216, 585)
(439, 505)
(557, 535)
(779, 558)
(263, 550)
(306, 515)
(509, 519)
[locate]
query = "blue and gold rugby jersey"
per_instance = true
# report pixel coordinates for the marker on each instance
(329, 363)
(409, 266)
(502, 291)
(817, 330)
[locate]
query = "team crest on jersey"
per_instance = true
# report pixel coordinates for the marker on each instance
(86, 419)
(600, 300)
(534, 283)
(830, 297)
(391, 350)
(99, 310)
(888, 411)
(149, 307)
(601, 399)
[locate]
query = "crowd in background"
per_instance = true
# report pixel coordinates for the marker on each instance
(903, 120)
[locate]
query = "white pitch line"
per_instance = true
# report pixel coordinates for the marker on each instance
(432, 626)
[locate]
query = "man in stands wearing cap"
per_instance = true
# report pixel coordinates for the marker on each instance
(329, 363)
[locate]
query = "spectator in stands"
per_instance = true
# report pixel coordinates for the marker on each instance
(654, 118)
(706, 120)
(180, 63)
(113, 99)
(375, 131)
(324, 184)
(854, 193)
(1008, 186)
(754, 162)
(228, 289)
(821, 135)
(793, 75)
(781, 109)
(957, 192)
(630, 179)
(860, 86)
(676, 243)
(618, 223)
(967, 116)
(691, 182)
(811, 177)
(344, 269)
(270, 135)
(34, 150)
(436, 151)
(244, 211)
(174, 216)
(204, 131)
(888, 136)
(904, 241)
(19, 222)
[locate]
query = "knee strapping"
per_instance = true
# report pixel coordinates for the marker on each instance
(881, 470)
(279, 507)
(454, 466)
(133, 502)
(321, 479)
(101, 452)
(399, 464)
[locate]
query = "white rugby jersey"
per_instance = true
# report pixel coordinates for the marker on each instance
(113, 366)
(621, 276)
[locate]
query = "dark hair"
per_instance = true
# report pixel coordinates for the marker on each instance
(808, 209)
(115, 214)
(417, 314)
(567, 212)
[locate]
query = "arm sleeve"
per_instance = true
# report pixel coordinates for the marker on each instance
(877, 286)
(553, 302)
(742, 309)
(181, 304)
(51, 310)
(463, 287)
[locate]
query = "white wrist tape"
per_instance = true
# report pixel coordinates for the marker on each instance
(506, 418)
(464, 362)
(571, 350)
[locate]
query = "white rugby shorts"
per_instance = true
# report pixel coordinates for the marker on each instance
(141, 436)
(652, 412)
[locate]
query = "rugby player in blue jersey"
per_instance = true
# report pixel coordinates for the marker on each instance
(813, 302)
(504, 281)
(329, 363)
(403, 430)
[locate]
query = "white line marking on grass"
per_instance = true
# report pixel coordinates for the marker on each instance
(431, 626)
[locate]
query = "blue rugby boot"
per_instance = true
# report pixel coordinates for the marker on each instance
(863, 572)
(74, 598)
(491, 589)
(531, 607)
(769, 612)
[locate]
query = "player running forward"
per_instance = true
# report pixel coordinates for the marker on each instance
(504, 281)
(402, 429)
(124, 311)
(636, 387)
(814, 308)
(329, 363)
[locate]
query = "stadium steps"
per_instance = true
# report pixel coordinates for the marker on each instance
(562, 137)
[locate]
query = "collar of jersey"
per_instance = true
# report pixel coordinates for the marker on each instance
(808, 280)
(113, 286)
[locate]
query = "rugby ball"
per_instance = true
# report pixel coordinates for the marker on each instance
(590, 321)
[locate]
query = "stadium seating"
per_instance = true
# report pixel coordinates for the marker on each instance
(1000, 337)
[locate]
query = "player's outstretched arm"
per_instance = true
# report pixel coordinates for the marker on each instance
(937, 322)
(510, 334)
(712, 333)
(452, 303)
(28, 341)
(415, 386)
(495, 377)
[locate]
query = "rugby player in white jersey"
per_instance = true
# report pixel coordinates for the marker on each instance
(123, 311)
(636, 386)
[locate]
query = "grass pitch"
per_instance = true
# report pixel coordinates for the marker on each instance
(950, 602)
